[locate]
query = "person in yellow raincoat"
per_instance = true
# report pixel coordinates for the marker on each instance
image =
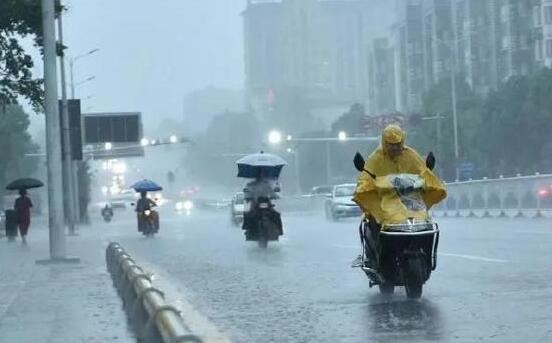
(393, 156)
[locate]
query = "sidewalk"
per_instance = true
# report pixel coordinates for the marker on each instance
(58, 303)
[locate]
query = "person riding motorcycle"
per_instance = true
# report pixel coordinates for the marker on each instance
(255, 191)
(145, 204)
(107, 210)
(393, 156)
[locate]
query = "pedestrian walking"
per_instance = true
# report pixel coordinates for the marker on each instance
(23, 207)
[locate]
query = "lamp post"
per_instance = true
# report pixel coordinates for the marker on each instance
(72, 65)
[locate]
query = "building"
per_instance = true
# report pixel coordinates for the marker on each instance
(262, 23)
(484, 42)
(317, 47)
(381, 77)
(407, 37)
(542, 32)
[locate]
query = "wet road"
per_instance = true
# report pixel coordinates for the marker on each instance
(492, 283)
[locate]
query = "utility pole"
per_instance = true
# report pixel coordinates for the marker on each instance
(328, 162)
(53, 142)
(68, 171)
(453, 68)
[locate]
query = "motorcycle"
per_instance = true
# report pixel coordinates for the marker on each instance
(263, 224)
(148, 222)
(404, 253)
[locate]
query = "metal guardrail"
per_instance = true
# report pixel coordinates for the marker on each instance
(153, 319)
(519, 196)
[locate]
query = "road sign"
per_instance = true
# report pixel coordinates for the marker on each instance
(123, 127)
(121, 132)
(75, 132)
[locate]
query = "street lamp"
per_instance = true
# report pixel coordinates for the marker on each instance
(71, 68)
(108, 146)
(342, 136)
(275, 137)
(84, 81)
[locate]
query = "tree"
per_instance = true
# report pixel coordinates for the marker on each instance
(15, 142)
(438, 100)
(518, 117)
(19, 18)
(351, 121)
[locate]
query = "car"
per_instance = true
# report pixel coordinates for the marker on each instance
(237, 208)
(339, 203)
(321, 191)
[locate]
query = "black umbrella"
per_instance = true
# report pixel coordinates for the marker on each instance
(24, 183)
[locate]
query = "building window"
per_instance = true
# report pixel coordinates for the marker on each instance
(549, 48)
(537, 19)
(538, 50)
(548, 14)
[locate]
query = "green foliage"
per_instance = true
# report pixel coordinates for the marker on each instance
(506, 133)
(19, 18)
(15, 143)
(351, 121)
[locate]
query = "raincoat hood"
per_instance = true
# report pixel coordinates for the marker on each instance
(392, 134)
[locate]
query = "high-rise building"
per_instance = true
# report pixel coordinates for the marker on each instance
(408, 41)
(381, 78)
(262, 22)
(542, 31)
(318, 47)
(516, 52)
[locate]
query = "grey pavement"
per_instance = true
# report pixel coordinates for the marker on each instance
(492, 283)
(58, 303)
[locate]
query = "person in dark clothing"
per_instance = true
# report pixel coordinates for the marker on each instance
(23, 207)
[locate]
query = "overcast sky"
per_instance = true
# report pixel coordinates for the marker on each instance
(153, 52)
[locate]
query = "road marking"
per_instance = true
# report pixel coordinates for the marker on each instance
(467, 257)
(472, 257)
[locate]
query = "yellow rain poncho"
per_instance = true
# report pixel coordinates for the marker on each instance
(377, 197)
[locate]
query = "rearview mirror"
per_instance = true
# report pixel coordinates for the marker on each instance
(359, 162)
(430, 161)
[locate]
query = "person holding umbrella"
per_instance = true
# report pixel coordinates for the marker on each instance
(144, 206)
(23, 207)
(23, 204)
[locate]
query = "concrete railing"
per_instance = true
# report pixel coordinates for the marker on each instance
(153, 319)
(503, 197)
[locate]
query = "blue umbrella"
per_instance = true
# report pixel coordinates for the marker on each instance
(146, 186)
(268, 164)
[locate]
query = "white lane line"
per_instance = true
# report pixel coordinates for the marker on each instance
(475, 258)
(467, 257)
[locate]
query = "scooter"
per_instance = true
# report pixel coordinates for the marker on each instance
(148, 222)
(402, 254)
(264, 224)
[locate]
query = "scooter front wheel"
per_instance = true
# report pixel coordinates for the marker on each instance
(414, 278)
